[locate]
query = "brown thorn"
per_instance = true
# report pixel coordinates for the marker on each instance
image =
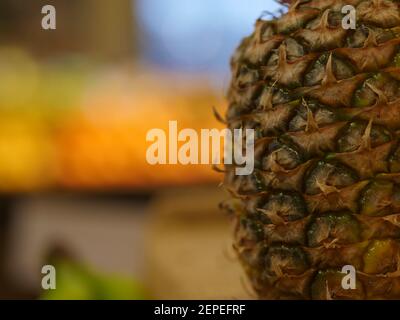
(274, 165)
(266, 100)
(331, 244)
(258, 30)
(275, 218)
(277, 269)
(326, 189)
(371, 39)
(218, 116)
(294, 5)
(366, 137)
(382, 99)
(235, 194)
(329, 75)
(324, 22)
(282, 61)
(393, 219)
(312, 125)
(328, 293)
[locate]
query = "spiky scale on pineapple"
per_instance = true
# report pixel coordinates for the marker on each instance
(325, 104)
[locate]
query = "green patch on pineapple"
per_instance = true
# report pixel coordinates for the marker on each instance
(380, 198)
(396, 60)
(379, 257)
(364, 96)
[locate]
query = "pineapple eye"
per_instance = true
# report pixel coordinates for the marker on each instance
(252, 208)
(351, 141)
(250, 184)
(265, 96)
(341, 70)
(294, 49)
(322, 117)
(357, 39)
(380, 198)
(283, 155)
(360, 35)
(326, 175)
(384, 35)
(352, 138)
(299, 122)
(274, 58)
(339, 228)
(314, 23)
(365, 97)
(281, 260)
(379, 136)
(281, 96)
(335, 19)
(382, 13)
(246, 76)
(289, 207)
(316, 73)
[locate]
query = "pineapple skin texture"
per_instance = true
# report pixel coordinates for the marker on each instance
(325, 106)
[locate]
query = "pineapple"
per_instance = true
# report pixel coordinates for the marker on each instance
(325, 106)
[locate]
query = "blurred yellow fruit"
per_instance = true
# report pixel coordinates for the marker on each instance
(26, 156)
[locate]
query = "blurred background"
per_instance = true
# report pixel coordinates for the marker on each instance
(75, 188)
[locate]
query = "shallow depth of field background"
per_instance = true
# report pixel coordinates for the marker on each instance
(75, 188)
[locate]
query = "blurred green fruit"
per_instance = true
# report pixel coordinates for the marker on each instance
(78, 282)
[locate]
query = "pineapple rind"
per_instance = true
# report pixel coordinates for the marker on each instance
(325, 105)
